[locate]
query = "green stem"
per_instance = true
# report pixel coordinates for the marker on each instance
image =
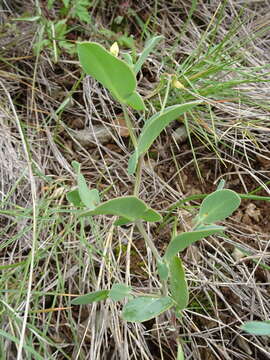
(148, 241)
(129, 126)
(138, 176)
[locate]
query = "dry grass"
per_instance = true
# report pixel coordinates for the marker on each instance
(47, 256)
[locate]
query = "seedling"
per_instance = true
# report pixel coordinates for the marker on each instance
(119, 77)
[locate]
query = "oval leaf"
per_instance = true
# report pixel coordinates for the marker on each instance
(155, 125)
(218, 206)
(178, 284)
(145, 308)
(91, 297)
(113, 73)
(130, 207)
(257, 327)
(182, 241)
(119, 292)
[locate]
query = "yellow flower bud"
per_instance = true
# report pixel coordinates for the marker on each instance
(176, 84)
(114, 49)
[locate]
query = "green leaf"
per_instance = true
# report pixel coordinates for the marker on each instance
(130, 207)
(128, 59)
(119, 292)
(178, 284)
(121, 221)
(80, 11)
(257, 327)
(163, 270)
(180, 352)
(149, 47)
(132, 162)
(154, 126)
(151, 215)
(50, 4)
(74, 198)
(28, 18)
(218, 206)
(135, 101)
(182, 241)
(91, 297)
(66, 2)
(113, 73)
(60, 28)
(144, 308)
(76, 166)
(90, 198)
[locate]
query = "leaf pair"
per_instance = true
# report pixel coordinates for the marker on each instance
(215, 207)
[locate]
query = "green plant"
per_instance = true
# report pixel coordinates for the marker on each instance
(119, 77)
(52, 34)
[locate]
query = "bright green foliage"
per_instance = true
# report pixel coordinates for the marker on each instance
(119, 292)
(130, 208)
(149, 47)
(145, 308)
(154, 126)
(91, 297)
(257, 327)
(113, 73)
(178, 284)
(218, 206)
(182, 241)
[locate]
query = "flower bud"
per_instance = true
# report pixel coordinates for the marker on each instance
(114, 49)
(176, 84)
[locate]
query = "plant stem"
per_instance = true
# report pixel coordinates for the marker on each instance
(134, 141)
(148, 240)
(138, 176)
(154, 250)
(129, 126)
